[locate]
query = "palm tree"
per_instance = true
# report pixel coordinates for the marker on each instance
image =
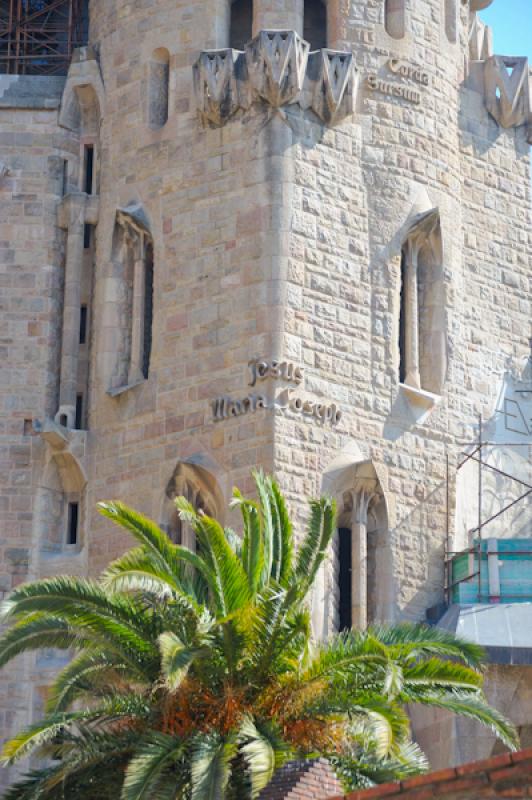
(194, 675)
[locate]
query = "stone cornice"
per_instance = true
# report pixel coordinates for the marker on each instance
(276, 68)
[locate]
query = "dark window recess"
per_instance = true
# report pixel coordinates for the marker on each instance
(79, 412)
(89, 167)
(148, 310)
(344, 578)
(73, 520)
(83, 325)
(64, 184)
(241, 25)
(402, 321)
(28, 427)
(87, 236)
(315, 24)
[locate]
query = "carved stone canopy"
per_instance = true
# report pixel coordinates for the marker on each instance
(276, 68)
(507, 91)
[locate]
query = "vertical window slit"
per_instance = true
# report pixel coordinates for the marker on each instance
(87, 236)
(78, 424)
(148, 310)
(402, 321)
(344, 578)
(83, 325)
(88, 168)
(73, 519)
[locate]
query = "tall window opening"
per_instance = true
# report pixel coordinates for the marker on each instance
(315, 24)
(451, 20)
(422, 324)
(158, 88)
(345, 617)
(88, 168)
(87, 236)
(64, 177)
(241, 23)
(83, 325)
(148, 309)
(78, 423)
(134, 270)
(402, 319)
(73, 522)
(395, 18)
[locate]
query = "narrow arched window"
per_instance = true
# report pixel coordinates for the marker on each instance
(394, 18)
(451, 20)
(241, 24)
(315, 24)
(158, 88)
(422, 325)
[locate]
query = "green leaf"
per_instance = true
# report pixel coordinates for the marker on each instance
(210, 766)
(153, 756)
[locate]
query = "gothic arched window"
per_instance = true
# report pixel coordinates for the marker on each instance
(241, 24)
(422, 330)
(133, 270)
(198, 486)
(315, 24)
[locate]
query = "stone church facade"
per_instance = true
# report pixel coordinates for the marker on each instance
(289, 235)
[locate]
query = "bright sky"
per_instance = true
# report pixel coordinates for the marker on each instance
(511, 21)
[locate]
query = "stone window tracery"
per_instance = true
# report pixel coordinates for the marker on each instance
(395, 18)
(315, 24)
(158, 88)
(422, 330)
(359, 570)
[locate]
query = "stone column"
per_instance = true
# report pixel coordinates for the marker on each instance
(66, 414)
(268, 15)
(135, 373)
(359, 559)
(411, 311)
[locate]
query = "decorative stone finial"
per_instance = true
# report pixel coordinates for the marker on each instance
(276, 68)
(276, 62)
(215, 85)
(507, 90)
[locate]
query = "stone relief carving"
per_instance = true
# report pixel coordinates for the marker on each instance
(276, 68)
(335, 83)
(507, 91)
(4, 171)
(276, 62)
(215, 85)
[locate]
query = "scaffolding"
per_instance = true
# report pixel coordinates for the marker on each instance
(479, 550)
(37, 37)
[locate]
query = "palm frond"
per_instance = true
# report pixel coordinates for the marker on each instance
(210, 765)
(152, 757)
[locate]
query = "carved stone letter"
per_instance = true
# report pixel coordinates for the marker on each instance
(276, 62)
(215, 85)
